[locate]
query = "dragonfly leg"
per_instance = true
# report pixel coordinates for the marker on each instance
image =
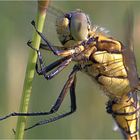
(56, 105)
(48, 68)
(45, 47)
(29, 43)
(61, 63)
(40, 58)
(43, 37)
(69, 84)
(58, 69)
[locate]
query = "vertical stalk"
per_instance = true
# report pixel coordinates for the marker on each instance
(27, 87)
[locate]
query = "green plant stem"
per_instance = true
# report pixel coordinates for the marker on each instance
(30, 71)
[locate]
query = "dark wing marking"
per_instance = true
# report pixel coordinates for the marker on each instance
(128, 50)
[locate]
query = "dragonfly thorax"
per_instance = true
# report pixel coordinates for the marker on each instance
(74, 26)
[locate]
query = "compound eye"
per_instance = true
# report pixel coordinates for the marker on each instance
(79, 26)
(62, 29)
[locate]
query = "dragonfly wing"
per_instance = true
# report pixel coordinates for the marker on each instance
(128, 50)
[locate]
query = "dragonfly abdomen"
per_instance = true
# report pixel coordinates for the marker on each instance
(125, 112)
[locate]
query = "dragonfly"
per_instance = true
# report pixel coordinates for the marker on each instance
(102, 57)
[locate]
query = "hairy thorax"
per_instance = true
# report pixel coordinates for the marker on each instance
(107, 67)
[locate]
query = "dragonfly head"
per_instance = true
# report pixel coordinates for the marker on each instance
(74, 25)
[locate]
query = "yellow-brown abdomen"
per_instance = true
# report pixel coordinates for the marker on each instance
(126, 114)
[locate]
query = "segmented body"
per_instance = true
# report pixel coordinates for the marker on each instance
(126, 114)
(104, 62)
(108, 68)
(110, 73)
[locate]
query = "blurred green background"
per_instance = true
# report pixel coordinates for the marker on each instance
(90, 120)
